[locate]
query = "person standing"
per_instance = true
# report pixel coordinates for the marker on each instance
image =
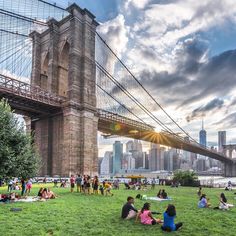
(72, 183)
(9, 187)
(23, 186)
(78, 183)
(28, 186)
(95, 185)
(153, 183)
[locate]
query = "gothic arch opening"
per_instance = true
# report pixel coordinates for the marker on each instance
(44, 73)
(63, 70)
(234, 153)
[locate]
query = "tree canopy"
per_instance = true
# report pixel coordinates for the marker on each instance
(18, 156)
(186, 178)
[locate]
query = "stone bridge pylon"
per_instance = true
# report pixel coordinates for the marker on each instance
(64, 64)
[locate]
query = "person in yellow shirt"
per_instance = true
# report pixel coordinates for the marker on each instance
(108, 188)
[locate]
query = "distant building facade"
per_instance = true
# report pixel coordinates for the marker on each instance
(107, 164)
(117, 156)
(221, 140)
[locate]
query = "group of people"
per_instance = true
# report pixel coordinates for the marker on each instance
(43, 194)
(4, 198)
(162, 194)
(46, 193)
(204, 202)
(87, 185)
(145, 215)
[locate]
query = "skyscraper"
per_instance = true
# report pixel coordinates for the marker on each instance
(117, 156)
(202, 136)
(156, 161)
(107, 163)
(221, 140)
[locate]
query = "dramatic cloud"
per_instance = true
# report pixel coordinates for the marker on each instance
(114, 32)
(229, 122)
(174, 49)
(203, 110)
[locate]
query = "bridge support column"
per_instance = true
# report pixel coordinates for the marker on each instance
(230, 169)
(80, 142)
(64, 64)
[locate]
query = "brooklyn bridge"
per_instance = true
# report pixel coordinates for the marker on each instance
(63, 77)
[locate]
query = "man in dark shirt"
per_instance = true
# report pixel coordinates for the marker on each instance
(128, 210)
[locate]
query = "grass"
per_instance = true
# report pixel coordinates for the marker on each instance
(77, 214)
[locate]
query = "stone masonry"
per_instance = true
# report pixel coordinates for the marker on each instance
(64, 64)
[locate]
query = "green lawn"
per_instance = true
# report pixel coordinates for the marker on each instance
(77, 214)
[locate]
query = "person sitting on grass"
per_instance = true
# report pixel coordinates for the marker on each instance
(51, 194)
(164, 194)
(127, 186)
(169, 216)
(40, 192)
(223, 203)
(128, 210)
(203, 202)
(199, 192)
(146, 217)
(159, 194)
(45, 193)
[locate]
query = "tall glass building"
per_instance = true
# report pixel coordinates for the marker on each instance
(117, 156)
(202, 136)
(221, 140)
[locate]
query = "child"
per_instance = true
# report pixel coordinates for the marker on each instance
(101, 189)
(146, 217)
(169, 216)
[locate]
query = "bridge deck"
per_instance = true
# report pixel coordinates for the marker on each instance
(24, 97)
(32, 100)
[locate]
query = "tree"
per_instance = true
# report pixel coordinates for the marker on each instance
(18, 156)
(186, 178)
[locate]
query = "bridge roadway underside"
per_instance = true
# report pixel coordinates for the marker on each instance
(161, 138)
(27, 106)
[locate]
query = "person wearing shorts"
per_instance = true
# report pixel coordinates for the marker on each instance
(72, 183)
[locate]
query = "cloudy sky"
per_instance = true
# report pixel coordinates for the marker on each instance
(183, 52)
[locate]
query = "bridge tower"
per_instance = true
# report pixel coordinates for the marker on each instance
(64, 64)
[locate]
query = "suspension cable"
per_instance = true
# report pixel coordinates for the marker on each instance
(140, 84)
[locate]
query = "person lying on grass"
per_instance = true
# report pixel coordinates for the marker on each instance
(7, 198)
(204, 202)
(128, 210)
(146, 217)
(169, 216)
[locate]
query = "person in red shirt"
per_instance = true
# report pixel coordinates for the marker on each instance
(72, 183)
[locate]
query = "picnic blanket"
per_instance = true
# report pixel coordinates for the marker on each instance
(158, 199)
(28, 199)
